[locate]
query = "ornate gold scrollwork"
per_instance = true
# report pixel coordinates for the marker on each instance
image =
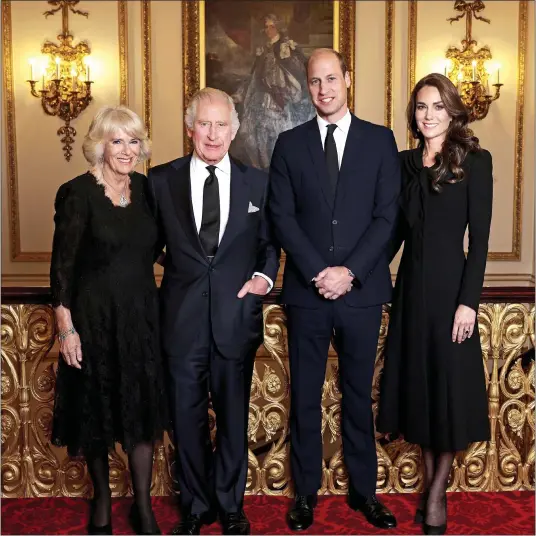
(32, 467)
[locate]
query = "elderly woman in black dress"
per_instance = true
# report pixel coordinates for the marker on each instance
(110, 384)
(433, 385)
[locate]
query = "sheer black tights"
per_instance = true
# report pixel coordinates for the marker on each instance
(102, 501)
(141, 467)
(437, 469)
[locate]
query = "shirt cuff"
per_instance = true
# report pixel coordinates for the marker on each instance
(268, 280)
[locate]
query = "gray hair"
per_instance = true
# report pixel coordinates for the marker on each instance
(209, 93)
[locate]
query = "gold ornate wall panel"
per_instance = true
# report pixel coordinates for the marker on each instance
(31, 467)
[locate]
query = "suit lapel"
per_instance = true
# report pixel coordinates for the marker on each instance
(238, 209)
(181, 195)
(351, 158)
(319, 160)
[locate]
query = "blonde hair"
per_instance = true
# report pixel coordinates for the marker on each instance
(108, 121)
(209, 93)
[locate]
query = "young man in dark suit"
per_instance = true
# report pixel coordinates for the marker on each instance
(334, 184)
(219, 264)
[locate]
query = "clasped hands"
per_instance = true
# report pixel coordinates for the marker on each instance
(333, 282)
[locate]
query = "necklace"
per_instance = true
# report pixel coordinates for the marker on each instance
(123, 201)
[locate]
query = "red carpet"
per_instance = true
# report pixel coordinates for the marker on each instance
(469, 513)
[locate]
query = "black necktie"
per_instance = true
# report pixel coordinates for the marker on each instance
(209, 234)
(332, 159)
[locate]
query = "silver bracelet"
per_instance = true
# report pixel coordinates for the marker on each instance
(62, 335)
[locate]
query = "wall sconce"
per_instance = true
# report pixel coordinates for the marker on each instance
(65, 85)
(469, 68)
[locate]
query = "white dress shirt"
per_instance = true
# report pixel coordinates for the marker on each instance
(198, 175)
(339, 134)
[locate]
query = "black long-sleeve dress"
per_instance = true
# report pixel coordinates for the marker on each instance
(102, 270)
(432, 389)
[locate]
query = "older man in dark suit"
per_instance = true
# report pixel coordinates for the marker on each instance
(219, 264)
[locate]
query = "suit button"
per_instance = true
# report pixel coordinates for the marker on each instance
(211, 269)
(334, 222)
(205, 294)
(331, 248)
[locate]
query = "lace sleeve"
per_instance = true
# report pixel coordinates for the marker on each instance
(70, 222)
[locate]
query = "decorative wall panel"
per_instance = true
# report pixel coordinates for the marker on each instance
(32, 467)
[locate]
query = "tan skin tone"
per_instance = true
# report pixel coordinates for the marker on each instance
(433, 121)
(120, 157)
(212, 135)
(328, 89)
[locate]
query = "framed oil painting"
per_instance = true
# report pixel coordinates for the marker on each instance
(256, 50)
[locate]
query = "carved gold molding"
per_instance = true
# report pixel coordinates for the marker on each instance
(389, 46)
(123, 51)
(412, 58)
(32, 467)
(193, 41)
(147, 65)
(11, 138)
(515, 253)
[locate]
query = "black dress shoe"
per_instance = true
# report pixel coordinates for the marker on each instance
(301, 517)
(192, 523)
(375, 512)
(437, 529)
(235, 523)
(94, 529)
(135, 522)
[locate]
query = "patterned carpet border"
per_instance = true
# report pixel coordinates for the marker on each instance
(469, 513)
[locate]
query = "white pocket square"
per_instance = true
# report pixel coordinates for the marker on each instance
(252, 208)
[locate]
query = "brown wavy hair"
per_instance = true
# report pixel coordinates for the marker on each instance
(459, 138)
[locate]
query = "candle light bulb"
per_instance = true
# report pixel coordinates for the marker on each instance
(57, 68)
(32, 62)
(73, 74)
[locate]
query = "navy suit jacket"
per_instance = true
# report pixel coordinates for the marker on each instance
(351, 228)
(194, 291)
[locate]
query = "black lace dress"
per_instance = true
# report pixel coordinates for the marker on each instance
(102, 270)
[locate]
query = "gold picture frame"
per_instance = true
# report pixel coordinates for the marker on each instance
(193, 35)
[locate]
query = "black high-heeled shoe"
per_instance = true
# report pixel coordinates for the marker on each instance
(420, 513)
(135, 522)
(94, 529)
(437, 529)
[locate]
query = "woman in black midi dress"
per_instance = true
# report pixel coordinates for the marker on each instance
(433, 383)
(110, 385)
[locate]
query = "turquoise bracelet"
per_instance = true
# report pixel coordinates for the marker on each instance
(62, 335)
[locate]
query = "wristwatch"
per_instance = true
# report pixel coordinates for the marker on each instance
(350, 273)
